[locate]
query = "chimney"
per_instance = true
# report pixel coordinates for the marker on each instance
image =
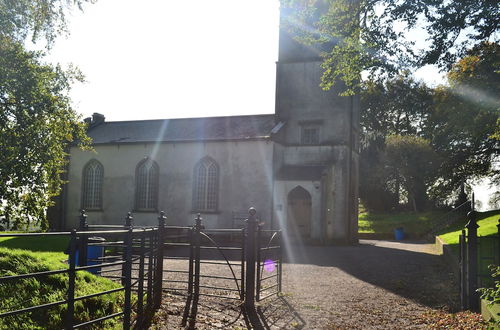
(97, 119)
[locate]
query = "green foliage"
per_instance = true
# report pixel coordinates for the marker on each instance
(20, 19)
(459, 122)
(37, 124)
(378, 35)
(51, 288)
(396, 107)
(413, 162)
(492, 294)
(465, 118)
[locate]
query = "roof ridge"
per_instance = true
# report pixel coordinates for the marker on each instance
(186, 118)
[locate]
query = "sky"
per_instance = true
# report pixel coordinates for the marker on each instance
(170, 59)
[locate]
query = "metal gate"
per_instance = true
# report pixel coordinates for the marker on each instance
(476, 254)
(229, 268)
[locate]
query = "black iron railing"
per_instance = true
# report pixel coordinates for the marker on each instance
(476, 253)
(134, 257)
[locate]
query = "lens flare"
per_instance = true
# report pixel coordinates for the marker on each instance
(269, 266)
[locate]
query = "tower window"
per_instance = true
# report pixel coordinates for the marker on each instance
(93, 173)
(146, 185)
(205, 188)
(309, 135)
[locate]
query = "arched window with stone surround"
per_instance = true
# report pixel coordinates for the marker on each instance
(93, 173)
(146, 185)
(206, 185)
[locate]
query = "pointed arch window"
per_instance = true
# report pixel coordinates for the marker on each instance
(146, 185)
(93, 173)
(206, 185)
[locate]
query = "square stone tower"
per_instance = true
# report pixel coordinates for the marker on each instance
(316, 148)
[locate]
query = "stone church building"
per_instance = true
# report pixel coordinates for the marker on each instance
(297, 167)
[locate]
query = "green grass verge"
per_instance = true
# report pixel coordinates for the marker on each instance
(385, 223)
(22, 255)
(36, 243)
(487, 222)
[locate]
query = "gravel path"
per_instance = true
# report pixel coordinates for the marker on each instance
(374, 285)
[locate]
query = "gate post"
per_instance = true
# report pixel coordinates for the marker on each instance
(127, 280)
(128, 226)
(473, 299)
(196, 275)
(250, 258)
(159, 263)
(463, 270)
(83, 240)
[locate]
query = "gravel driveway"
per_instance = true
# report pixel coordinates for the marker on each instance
(374, 285)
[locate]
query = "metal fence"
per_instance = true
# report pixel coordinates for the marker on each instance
(475, 255)
(150, 261)
(131, 247)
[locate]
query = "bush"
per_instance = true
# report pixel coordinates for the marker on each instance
(492, 294)
(17, 294)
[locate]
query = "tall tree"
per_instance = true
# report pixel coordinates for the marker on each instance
(466, 116)
(37, 123)
(414, 163)
(380, 36)
(395, 107)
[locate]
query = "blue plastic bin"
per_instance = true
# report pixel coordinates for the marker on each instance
(94, 253)
(399, 234)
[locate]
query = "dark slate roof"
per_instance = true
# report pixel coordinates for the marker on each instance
(300, 172)
(184, 129)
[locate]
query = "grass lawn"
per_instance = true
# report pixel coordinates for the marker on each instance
(50, 247)
(23, 255)
(385, 223)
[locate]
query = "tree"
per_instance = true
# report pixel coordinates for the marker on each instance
(395, 107)
(459, 122)
(466, 115)
(414, 163)
(379, 36)
(37, 123)
(20, 19)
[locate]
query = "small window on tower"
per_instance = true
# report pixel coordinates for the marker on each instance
(309, 135)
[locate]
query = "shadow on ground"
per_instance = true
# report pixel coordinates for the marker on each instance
(406, 269)
(278, 312)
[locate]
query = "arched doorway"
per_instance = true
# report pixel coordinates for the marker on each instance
(299, 213)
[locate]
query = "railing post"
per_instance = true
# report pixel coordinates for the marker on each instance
(280, 260)
(128, 225)
(159, 263)
(140, 288)
(190, 278)
(150, 270)
(258, 263)
(71, 284)
(472, 226)
(463, 270)
(129, 220)
(196, 284)
(128, 279)
(83, 240)
(243, 254)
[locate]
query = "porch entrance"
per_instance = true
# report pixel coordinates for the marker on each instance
(299, 214)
